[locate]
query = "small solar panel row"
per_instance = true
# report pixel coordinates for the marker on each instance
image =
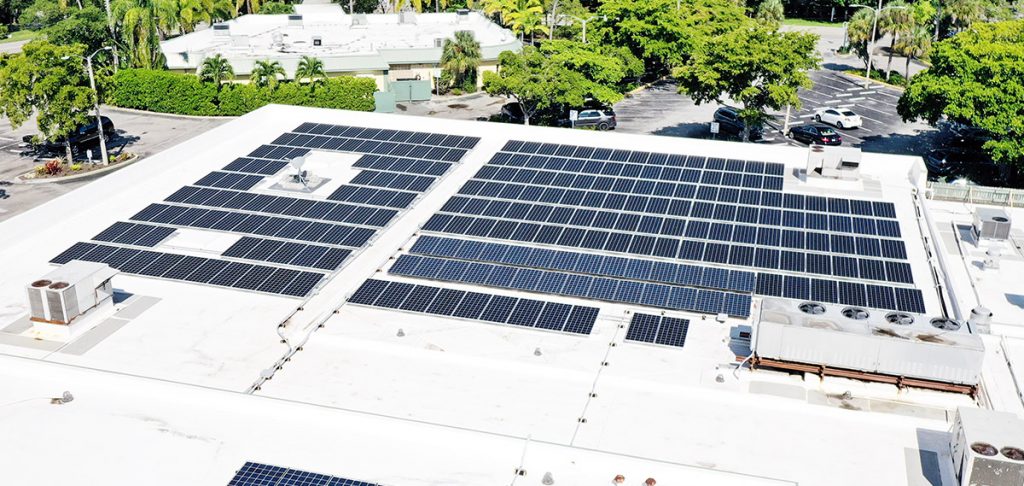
(256, 474)
(348, 144)
(401, 164)
(500, 309)
(134, 234)
(287, 253)
(385, 134)
(561, 283)
(737, 254)
(287, 206)
(373, 197)
(402, 182)
(274, 152)
(741, 211)
(647, 328)
(229, 180)
(250, 165)
(705, 221)
(621, 155)
(584, 174)
(586, 263)
(846, 293)
(257, 224)
(210, 271)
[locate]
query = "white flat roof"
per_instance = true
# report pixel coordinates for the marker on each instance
(451, 401)
(370, 42)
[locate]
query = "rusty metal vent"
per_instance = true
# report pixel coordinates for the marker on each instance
(41, 283)
(1013, 453)
(984, 448)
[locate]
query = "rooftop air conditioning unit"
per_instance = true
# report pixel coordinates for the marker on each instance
(318, 40)
(295, 20)
(987, 448)
(834, 162)
(69, 291)
(439, 42)
(868, 340)
(991, 224)
(221, 29)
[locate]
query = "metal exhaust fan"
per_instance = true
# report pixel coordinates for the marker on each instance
(856, 313)
(812, 308)
(945, 324)
(899, 318)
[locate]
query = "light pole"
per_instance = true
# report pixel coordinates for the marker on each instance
(874, 29)
(96, 93)
(584, 23)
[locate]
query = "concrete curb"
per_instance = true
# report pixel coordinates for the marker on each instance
(71, 178)
(645, 86)
(883, 83)
(115, 109)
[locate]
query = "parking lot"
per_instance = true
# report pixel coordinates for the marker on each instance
(143, 134)
(660, 110)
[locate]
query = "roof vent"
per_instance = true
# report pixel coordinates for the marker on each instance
(945, 324)
(439, 42)
(991, 224)
(834, 162)
(462, 12)
(899, 318)
(856, 313)
(812, 308)
(221, 29)
(295, 20)
(984, 449)
(980, 319)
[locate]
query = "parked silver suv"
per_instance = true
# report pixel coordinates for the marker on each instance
(600, 118)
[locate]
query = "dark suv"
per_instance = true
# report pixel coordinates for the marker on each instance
(728, 119)
(86, 135)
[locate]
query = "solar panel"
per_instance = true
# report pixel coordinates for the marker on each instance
(256, 474)
(475, 305)
(647, 328)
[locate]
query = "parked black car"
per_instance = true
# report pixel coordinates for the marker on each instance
(959, 163)
(85, 136)
(729, 122)
(815, 135)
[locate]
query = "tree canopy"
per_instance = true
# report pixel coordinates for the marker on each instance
(758, 66)
(976, 78)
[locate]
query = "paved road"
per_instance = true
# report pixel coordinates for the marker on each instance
(140, 133)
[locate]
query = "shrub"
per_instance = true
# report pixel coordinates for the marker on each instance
(276, 8)
(76, 167)
(51, 167)
(167, 92)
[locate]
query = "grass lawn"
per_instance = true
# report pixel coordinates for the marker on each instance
(21, 35)
(811, 23)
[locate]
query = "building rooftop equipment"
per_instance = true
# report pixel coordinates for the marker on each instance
(419, 302)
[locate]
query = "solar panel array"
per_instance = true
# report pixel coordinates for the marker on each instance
(647, 328)
(256, 474)
(499, 309)
(291, 235)
(624, 219)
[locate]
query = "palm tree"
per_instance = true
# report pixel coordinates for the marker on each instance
(963, 13)
(896, 20)
(858, 31)
(311, 69)
(526, 17)
(461, 57)
(265, 73)
(137, 29)
(216, 69)
(914, 44)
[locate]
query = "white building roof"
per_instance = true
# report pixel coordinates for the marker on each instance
(368, 42)
(164, 383)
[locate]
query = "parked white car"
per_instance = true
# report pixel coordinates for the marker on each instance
(838, 117)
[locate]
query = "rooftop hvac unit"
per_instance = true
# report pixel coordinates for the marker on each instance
(439, 42)
(318, 40)
(991, 224)
(69, 291)
(463, 14)
(987, 448)
(295, 20)
(834, 162)
(221, 29)
(868, 340)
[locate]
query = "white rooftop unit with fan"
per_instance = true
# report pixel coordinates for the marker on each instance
(987, 448)
(67, 293)
(868, 340)
(834, 162)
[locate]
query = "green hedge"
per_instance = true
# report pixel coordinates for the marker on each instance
(185, 94)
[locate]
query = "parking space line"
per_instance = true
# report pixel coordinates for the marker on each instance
(809, 115)
(843, 95)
